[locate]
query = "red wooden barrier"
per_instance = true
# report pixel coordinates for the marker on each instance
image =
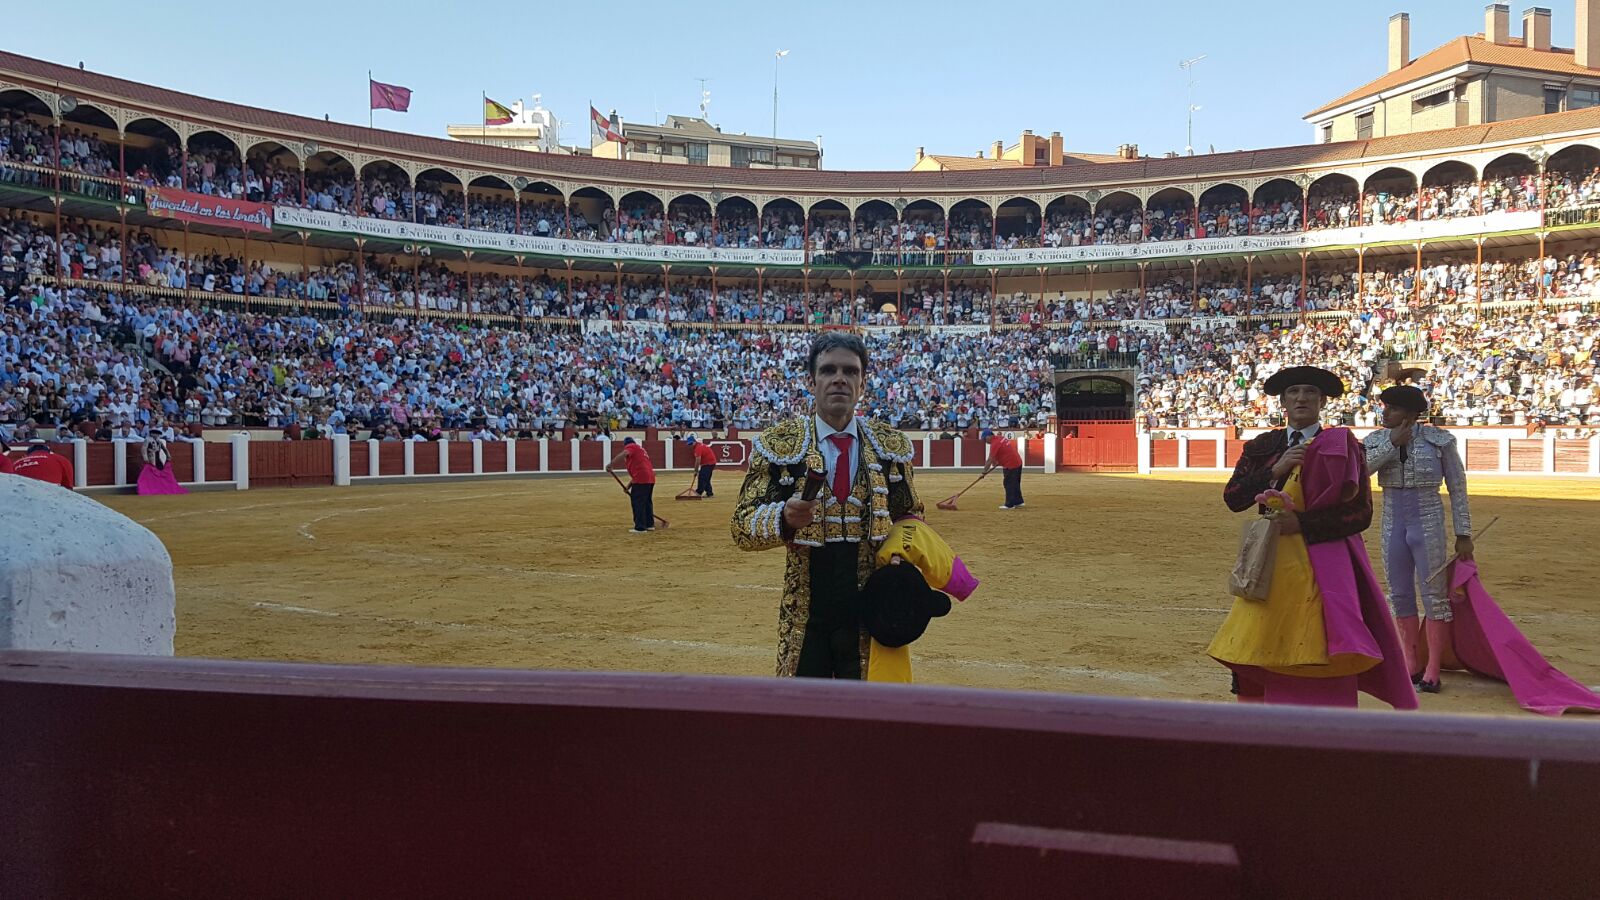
(1164, 454)
(974, 452)
(391, 458)
(1034, 452)
(917, 459)
(232, 779)
(181, 454)
(1527, 455)
(1234, 451)
(592, 455)
(1483, 455)
(132, 456)
(494, 456)
(460, 457)
(425, 458)
(291, 463)
(219, 460)
(360, 458)
(100, 466)
(1572, 456)
(560, 455)
(1202, 453)
(943, 453)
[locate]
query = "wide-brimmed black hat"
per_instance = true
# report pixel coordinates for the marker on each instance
(1405, 397)
(896, 604)
(1328, 383)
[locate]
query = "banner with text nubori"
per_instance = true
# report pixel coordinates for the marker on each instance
(190, 207)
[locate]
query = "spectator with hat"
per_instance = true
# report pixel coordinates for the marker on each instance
(1411, 460)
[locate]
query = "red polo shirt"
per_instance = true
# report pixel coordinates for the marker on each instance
(1003, 452)
(704, 455)
(638, 463)
(50, 467)
(5, 464)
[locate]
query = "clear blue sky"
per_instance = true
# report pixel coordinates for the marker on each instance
(875, 80)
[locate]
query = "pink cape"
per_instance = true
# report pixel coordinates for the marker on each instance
(159, 481)
(1488, 643)
(1355, 615)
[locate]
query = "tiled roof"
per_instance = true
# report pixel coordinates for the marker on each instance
(1471, 48)
(1077, 173)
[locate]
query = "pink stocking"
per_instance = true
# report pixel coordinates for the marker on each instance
(1410, 630)
(1339, 692)
(1438, 646)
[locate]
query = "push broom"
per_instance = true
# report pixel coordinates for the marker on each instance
(950, 501)
(664, 522)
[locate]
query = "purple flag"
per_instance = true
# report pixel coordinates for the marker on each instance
(390, 96)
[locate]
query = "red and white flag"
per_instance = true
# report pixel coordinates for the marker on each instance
(600, 126)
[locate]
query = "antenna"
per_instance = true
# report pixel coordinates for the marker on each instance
(1187, 65)
(705, 98)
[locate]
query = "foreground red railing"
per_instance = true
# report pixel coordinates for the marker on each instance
(193, 778)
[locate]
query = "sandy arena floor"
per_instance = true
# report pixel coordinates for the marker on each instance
(1103, 584)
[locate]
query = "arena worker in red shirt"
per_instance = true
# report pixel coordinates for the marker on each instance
(43, 465)
(1003, 454)
(642, 478)
(705, 459)
(5, 460)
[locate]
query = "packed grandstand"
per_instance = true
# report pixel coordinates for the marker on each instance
(446, 287)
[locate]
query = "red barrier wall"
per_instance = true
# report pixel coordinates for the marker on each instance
(592, 455)
(917, 459)
(1234, 451)
(181, 454)
(291, 463)
(560, 455)
(1164, 454)
(268, 780)
(1527, 455)
(360, 459)
(99, 465)
(1202, 453)
(425, 458)
(494, 456)
(460, 457)
(1572, 456)
(1483, 455)
(391, 458)
(943, 453)
(219, 461)
(974, 453)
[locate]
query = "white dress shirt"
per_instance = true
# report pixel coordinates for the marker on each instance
(1306, 433)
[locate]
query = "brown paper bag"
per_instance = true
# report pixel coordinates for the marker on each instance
(1258, 548)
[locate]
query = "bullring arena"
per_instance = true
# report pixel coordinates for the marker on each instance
(314, 579)
(542, 574)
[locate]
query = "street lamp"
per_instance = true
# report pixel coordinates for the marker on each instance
(776, 58)
(1188, 66)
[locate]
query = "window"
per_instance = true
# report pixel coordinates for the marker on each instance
(1364, 125)
(698, 154)
(742, 157)
(1552, 99)
(1327, 133)
(1431, 101)
(1583, 98)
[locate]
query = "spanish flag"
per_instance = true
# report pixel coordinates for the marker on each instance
(495, 114)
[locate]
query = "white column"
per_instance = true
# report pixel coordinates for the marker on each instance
(341, 460)
(1549, 454)
(411, 457)
(511, 455)
(1052, 444)
(927, 451)
(372, 458)
(119, 463)
(669, 460)
(576, 446)
(477, 457)
(544, 454)
(444, 455)
(80, 463)
(1144, 453)
(1022, 450)
(1183, 451)
(241, 461)
(1594, 455)
(959, 442)
(1505, 455)
(199, 449)
(1222, 452)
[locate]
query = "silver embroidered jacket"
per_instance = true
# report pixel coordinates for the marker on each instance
(1431, 460)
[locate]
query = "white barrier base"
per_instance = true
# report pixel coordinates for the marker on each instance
(77, 575)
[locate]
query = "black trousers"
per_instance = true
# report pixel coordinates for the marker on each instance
(644, 506)
(704, 487)
(1013, 482)
(832, 646)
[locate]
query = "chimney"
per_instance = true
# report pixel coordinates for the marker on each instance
(1399, 41)
(1536, 28)
(1586, 47)
(1497, 24)
(1058, 155)
(920, 154)
(1128, 151)
(999, 149)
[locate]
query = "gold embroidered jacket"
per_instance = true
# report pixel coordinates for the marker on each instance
(778, 463)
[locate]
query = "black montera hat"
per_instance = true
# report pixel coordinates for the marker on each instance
(1406, 397)
(1328, 383)
(896, 604)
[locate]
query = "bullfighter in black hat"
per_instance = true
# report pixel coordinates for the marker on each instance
(1412, 459)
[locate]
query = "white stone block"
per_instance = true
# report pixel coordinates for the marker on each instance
(77, 575)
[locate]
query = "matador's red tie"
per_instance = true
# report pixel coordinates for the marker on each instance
(841, 468)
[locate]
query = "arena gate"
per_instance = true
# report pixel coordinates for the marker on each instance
(1096, 395)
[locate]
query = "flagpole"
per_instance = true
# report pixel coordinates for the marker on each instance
(484, 108)
(369, 99)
